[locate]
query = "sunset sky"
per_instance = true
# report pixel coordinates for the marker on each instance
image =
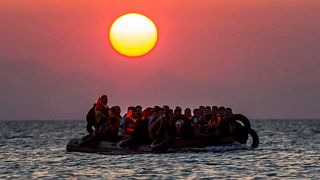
(260, 57)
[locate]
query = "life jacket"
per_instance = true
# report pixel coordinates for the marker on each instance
(105, 111)
(215, 121)
(129, 123)
(100, 106)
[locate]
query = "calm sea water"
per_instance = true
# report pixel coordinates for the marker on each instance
(36, 149)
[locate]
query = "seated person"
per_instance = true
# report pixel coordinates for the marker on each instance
(97, 117)
(214, 110)
(121, 130)
(187, 113)
(112, 124)
(195, 118)
(139, 111)
(207, 115)
(94, 114)
(179, 124)
(130, 121)
(228, 113)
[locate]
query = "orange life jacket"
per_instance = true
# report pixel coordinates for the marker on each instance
(215, 121)
(129, 123)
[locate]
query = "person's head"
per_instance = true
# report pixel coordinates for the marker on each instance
(166, 107)
(139, 108)
(196, 113)
(155, 111)
(116, 110)
(131, 108)
(221, 110)
(207, 110)
(134, 112)
(177, 111)
(214, 109)
(104, 99)
(228, 112)
(156, 108)
(169, 113)
(187, 112)
(147, 112)
(201, 110)
(161, 111)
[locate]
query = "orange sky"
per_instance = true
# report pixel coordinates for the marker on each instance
(260, 57)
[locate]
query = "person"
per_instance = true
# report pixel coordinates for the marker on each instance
(91, 119)
(141, 128)
(102, 110)
(121, 132)
(94, 115)
(214, 110)
(140, 135)
(97, 117)
(166, 108)
(201, 110)
(215, 121)
(155, 114)
(130, 121)
(187, 113)
(180, 123)
(195, 118)
(177, 111)
(228, 113)
(112, 124)
(207, 115)
(222, 110)
(139, 111)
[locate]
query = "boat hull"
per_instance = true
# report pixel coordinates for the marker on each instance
(107, 147)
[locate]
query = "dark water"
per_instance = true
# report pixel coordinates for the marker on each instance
(36, 149)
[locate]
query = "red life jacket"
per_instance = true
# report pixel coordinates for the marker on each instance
(129, 123)
(215, 121)
(100, 106)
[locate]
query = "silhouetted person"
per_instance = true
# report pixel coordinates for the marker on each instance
(95, 113)
(187, 113)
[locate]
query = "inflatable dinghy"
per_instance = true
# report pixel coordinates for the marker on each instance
(200, 143)
(107, 147)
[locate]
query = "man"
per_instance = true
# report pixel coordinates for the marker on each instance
(121, 132)
(99, 109)
(207, 115)
(177, 111)
(195, 117)
(139, 111)
(130, 121)
(97, 116)
(113, 124)
(187, 113)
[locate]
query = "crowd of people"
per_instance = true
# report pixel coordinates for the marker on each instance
(106, 123)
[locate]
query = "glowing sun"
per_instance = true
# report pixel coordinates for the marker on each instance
(133, 35)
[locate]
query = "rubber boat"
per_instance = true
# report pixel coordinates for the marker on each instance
(196, 144)
(106, 147)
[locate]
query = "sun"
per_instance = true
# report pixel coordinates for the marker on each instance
(133, 35)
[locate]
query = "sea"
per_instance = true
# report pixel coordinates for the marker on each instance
(289, 149)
